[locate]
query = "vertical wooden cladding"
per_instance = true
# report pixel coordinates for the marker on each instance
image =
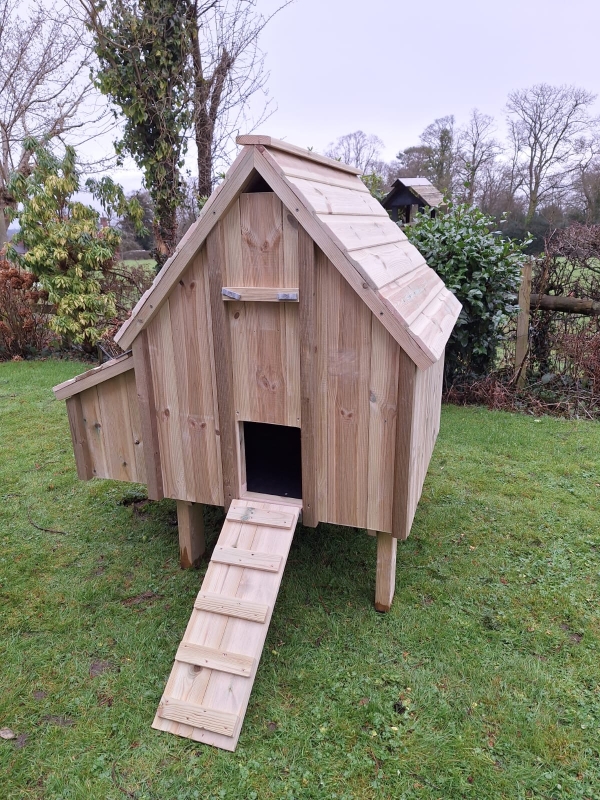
(383, 421)
(149, 423)
(307, 281)
(215, 259)
(183, 376)
(83, 459)
(428, 406)
(377, 415)
(357, 380)
(261, 250)
(419, 408)
(113, 437)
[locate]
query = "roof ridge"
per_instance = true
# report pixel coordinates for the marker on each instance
(309, 155)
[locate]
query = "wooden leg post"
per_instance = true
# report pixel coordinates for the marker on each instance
(385, 582)
(191, 533)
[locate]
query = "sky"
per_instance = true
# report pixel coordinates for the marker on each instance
(390, 68)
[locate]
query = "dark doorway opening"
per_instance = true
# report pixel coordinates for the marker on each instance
(273, 461)
(257, 184)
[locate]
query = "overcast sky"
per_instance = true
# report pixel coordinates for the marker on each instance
(390, 68)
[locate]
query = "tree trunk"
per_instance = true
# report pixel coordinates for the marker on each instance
(3, 227)
(204, 147)
(471, 191)
(531, 209)
(164, 227)
(203, 130)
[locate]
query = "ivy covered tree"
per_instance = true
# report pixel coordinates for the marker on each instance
(142, 48)
(66, 249)
(179, 69)
(483, 269)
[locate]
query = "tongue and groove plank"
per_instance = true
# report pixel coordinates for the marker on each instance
(208, 705)
(198, 716)
(272, 519)
(256, 612)
(247, 558)
(209, 657)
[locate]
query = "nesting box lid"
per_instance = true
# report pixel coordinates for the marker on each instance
(354, 231)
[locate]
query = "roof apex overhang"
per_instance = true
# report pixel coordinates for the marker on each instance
(386, 271)
(285, 147)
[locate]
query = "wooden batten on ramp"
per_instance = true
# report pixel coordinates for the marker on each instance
(209, 687)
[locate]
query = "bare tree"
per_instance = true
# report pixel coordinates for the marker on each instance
(545, 125)
(435, 158)
(43, 86)
(584, 196)
(477, 149)
(412, 162)
(496, 195)
(359, 150)
(228, 69)
(191, 205)
(587, 193)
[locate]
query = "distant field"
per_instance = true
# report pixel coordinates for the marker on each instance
(150, 263)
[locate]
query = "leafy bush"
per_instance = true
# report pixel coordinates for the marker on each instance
(66, 249)
(24, 327)
(483, 270)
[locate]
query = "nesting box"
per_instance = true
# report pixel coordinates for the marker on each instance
(287, 360)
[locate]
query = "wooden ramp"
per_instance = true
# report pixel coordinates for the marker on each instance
(209, 687)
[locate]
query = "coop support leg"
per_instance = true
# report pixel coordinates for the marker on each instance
(385, 582)
(190, 522)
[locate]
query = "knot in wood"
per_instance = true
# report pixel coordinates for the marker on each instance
(265, 383)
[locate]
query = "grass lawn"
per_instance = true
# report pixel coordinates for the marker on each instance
(482, 682)
(147, 263)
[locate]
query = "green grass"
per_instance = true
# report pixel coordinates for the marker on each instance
(147, 263)
(482, 682)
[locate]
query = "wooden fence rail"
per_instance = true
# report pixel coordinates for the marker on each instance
(569, 305)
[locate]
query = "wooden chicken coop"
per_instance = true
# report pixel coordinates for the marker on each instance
(409, 195)
(287, 360)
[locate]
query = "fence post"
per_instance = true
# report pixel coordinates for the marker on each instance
(523, 323)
